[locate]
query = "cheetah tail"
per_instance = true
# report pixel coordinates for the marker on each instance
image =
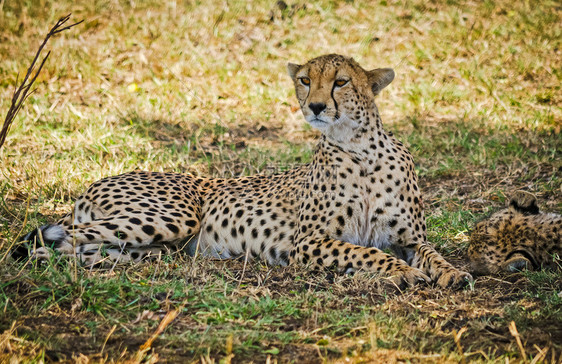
(51, 234)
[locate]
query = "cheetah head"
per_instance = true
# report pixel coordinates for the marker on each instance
(492, 249)
(336, 94)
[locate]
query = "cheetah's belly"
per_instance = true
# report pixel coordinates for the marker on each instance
(274, 249)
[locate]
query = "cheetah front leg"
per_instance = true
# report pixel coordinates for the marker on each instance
(347, 257)
(427, 259)
(410, 239)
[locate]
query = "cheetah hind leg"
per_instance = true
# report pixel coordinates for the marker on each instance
(111, 239)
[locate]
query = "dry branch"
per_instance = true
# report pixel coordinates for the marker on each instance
(515, 334)
(170, 316)
(457, 337)
(22, 92)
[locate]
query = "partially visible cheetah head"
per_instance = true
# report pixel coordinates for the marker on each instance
(519, 237)
(335, 93)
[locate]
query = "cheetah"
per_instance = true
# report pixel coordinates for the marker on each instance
(357, 197)
(517, 238)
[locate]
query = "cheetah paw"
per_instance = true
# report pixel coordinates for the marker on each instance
(409, 277)
(454, 278)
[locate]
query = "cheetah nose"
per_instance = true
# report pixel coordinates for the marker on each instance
(317, 107)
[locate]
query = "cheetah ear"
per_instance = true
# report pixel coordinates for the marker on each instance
(524, 203)
(293, 69)
(380, 78)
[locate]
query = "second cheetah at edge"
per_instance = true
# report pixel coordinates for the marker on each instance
(517, 238)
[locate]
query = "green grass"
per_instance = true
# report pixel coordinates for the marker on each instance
(201, 87)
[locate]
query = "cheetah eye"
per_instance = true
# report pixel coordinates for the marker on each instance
(340, 82)
(305, 81)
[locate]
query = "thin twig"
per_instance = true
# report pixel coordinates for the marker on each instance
(541, 355)
(168, 318)
(22, 92)
(246, 257)
(107, 338)
(457, 338)
(515, 334)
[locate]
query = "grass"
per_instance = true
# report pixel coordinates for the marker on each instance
(201, 87)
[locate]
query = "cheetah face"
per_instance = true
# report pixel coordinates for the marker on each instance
(482, 252)
(335, 93)
(495, 245)
(488, 252)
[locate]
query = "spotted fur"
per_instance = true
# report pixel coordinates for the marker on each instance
(358, 196)
(519, 237)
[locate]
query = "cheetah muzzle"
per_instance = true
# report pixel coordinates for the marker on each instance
(358, 196)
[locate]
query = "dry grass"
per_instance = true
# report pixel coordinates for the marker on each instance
(289, 314)
(201, 87)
